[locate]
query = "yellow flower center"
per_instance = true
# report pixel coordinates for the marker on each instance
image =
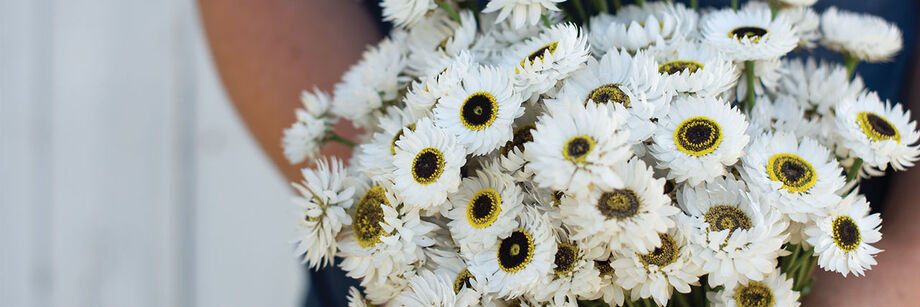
(516, 251)
(368, 215)
(877, 128)
(577, 148)
(483, 208)
(427, 166)
(479, 111)
(796, 174)
(698, 136)
(678, 66)
(608, 93)
(846, 233)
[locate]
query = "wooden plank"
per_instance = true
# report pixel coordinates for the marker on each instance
(112, 180)
(24, 151)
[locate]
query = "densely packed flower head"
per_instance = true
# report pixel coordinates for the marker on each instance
(549, 152)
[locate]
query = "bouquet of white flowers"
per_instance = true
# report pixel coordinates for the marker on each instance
(550, 152)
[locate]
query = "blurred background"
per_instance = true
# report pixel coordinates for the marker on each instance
(126, 177)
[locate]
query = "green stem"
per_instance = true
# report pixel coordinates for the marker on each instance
(600, 5)
(337, 138)
(694, 4)
(640, 3)
(681, 299)
(788, 260)
(749, 99)
(545, 20)
(735, 5)
(850, 62)
(804, 270)
(629, 303)
(580, 9)
(616, 5)
(853, 172)
(449, 9)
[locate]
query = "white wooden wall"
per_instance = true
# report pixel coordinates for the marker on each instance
(126, 178)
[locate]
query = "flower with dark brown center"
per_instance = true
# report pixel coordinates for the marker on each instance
(463, 280)
(540, 53)
(522, 135)
(846, 233)
(698, 136)
(618, 204)
(483, 208)
(663, 255)
(478, 111)
(754, 294)
(566, 256)
(368, 215)
(796, 174)
(516, 251)
(427, 165)
(722, 217)
(877, 128)
(753, 33)
(678, 66)
(608, 93)
(577, 148)
(398, 135)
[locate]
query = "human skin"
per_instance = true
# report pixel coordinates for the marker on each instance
(268, 51)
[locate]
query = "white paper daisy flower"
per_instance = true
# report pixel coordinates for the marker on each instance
(521, 12)
(374, 80)
(798, 2)
(406, 13)
(574, 275)
(635, 28)
(881, 134)
(385, 239)
(356, 299)
(576, 146)
(631, 216)
(818, 85)
(698, 139)
(323, 201)
(519, 262)
(805, 23)
(774, 290)
(422, 95)
(375, 158)
(619, 78)
(658, 273)
(748, 34)
(427, 161)
(786, 113)
(695, 69)
(307, 135)
(485, 209)
(843, 238)
(433, 289)
(480, 111)
(541, 61)
(437, 40)
(799, 177)
(734, 237)
(608, 290)
(866, 37)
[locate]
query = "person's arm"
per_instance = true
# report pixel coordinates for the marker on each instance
(268, 51)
